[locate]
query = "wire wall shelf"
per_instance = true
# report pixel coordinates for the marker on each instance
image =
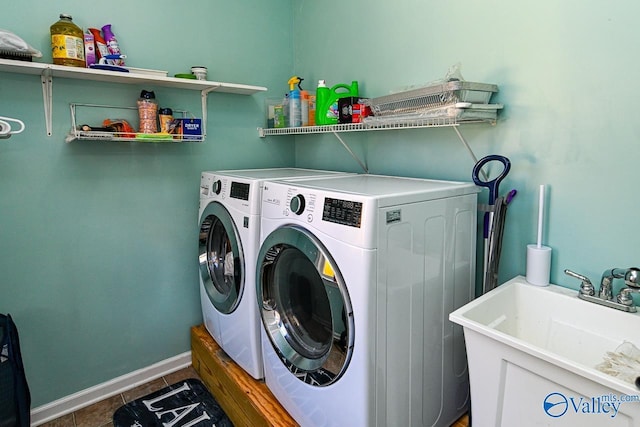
(78, 133)
(360, 127)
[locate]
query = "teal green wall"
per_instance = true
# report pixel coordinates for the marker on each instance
(99, 257)
(98, 240)
(567, 77)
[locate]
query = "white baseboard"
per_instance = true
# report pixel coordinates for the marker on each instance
(86, 397)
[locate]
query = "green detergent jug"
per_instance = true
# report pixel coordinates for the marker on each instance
(327, 101)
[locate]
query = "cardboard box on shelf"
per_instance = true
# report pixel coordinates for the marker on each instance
(187, 129)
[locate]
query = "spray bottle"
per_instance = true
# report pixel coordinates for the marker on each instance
(112, 43)
(295, 109)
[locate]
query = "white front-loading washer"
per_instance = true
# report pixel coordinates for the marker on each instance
(355, 279)
(229, 222)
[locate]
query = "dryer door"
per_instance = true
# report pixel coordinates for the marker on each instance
(304, 305)
(221, 258)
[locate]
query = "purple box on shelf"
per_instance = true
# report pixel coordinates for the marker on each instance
(89, 50)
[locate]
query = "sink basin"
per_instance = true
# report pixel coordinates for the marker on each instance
(532, 353)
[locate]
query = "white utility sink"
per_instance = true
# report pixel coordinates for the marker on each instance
(532, 353)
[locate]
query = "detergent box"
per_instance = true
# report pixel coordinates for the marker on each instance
(187, 129)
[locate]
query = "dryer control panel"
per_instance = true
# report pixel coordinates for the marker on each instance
(334, 210)
(240, 190)
(345, 212)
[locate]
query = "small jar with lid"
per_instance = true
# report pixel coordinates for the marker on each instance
(166, 118)
(200, 72)
(148, 112)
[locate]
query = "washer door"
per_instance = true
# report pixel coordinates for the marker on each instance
(304, 305)
(221, 259)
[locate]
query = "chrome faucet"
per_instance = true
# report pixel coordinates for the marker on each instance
(624, 300)
(606, 283)
(632, 280)
(586, 287)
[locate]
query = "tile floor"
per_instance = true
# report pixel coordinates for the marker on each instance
(101, 413)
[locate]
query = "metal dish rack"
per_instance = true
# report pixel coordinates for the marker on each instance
(432, 97)
(460, 112)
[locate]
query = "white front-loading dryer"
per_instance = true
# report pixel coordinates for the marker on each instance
(229, 233)
(355, 279)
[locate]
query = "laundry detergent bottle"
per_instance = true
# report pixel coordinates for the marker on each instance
(327, 101)
(67, 42)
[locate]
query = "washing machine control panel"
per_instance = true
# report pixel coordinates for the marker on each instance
(297, 204)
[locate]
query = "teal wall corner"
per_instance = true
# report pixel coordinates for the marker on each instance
(99, 240)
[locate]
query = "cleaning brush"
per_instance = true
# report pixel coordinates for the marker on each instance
(19, 56)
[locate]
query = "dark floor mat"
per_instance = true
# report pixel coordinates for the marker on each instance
(184, 404)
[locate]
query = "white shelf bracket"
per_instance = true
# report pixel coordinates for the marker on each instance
(344, 144)
(203, 97)
(473, 156)
(47, 97)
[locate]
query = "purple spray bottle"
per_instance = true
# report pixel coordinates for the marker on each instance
(112, 43)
